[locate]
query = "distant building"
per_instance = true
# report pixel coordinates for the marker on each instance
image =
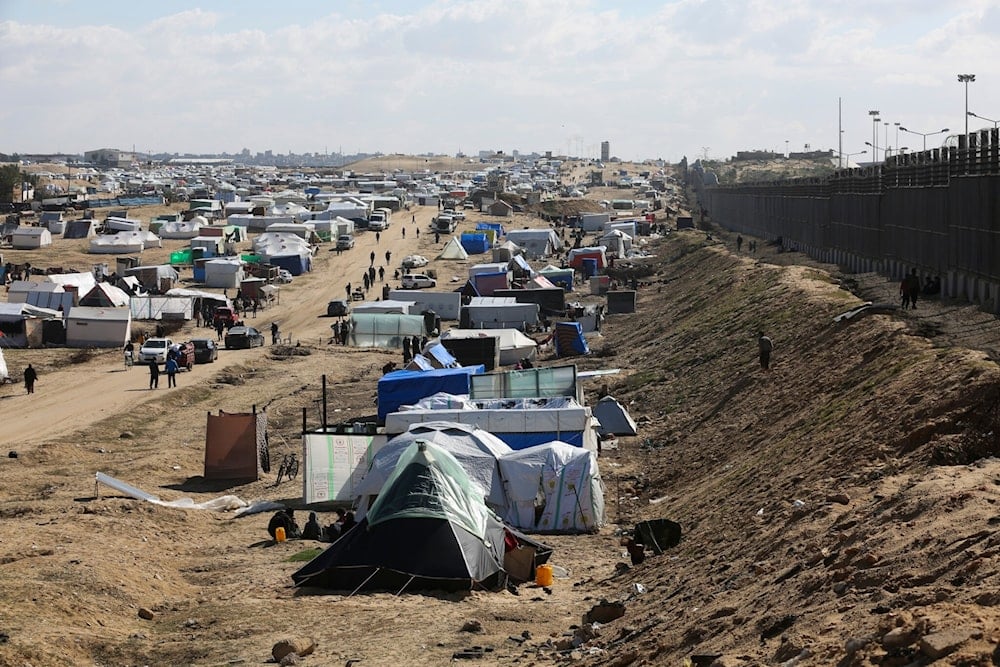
(109, 157)
(757, 155)
(605, 151)
(811, 155)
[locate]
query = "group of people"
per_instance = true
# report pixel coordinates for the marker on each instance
(751, 246)
(412, 346)
(285, 519)
(341, 331)
(910, 289)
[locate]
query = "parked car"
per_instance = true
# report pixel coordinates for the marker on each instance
(414, 261)
(417, 281)
(345, 242)
(244, 337)
(284, 276)
(205, 350)
(224, 315)
(338, 308)
(154, 351)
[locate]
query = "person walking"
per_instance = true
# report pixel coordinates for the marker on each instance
(381, 273)
(154, 375)
(171, 368)
(388, 256)
(378, 237)
(739, 242)
(404, 232)
(372, 258)
(219, 327)
(30, 377)
(913, 287)
(765, 345)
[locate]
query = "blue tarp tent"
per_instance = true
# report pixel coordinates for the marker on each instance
(296, 264)
(475, 244)
(589, 267)
(569, 341)
(495, 226)
(407, 387)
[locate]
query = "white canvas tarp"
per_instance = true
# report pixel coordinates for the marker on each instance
(614, 418)
(3, 368)
(558, 483)
(513, 344)
(334, 465)
(453, 250)
(384, 329)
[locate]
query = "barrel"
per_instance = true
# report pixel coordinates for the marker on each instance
(279, 535)
(543, 575)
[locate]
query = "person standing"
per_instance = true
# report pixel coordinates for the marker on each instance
(739, 242)
(154, 375)
(378, 237)
(766, 346)
(274, 333)
(372, 258)
(30, 377)
(171, 368)
(913, 287)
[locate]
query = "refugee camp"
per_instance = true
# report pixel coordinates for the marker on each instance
(324, 342)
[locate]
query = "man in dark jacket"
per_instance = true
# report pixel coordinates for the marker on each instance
(30, 377)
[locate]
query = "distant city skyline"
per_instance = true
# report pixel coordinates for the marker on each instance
(655, 79)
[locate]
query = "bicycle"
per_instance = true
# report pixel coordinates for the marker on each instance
(288, 469)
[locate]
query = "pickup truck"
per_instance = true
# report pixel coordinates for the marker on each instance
(445, 224)
(226, 316)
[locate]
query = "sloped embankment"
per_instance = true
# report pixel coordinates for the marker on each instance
(818, 512)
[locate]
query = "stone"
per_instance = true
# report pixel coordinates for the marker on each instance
(301, 646)
(12, 454)
(839, 498)
(126, 435)
(854, 645)
(290, 659)
(898, 638)
(145, 614)
(939, 644)
(472, 626)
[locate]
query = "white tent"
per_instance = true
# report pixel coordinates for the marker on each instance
(183, 230)
(98, 327)
(386, 306)
(453, 250)
(553, 487)
(27, 238)
(117, 244)
(3, 368)
(513, 344)
(475, 449)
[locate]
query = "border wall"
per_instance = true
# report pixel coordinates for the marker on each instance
(937, 212)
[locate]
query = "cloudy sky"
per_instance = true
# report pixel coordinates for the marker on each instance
(656, 79)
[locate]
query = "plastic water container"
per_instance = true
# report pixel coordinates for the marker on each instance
(279, 534)
(543, 575)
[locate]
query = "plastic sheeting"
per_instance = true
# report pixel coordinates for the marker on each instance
(334, 465)
(407, 387)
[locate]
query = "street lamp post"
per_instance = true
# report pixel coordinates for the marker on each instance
(924, 134)
(885, 143)
(874, 114)
(966, 79)
(849, 155)
(996, 123)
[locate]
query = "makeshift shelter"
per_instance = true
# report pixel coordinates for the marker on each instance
(30, 238)
(506, 251)
(544, 382)
(550, 300)
(105, 295)
(80, 229)
(475, 243)
(486, 284)
(568, 340)
(453, 250)
(225, 273)
(536, 243)
(476, 450)
(446, 305)
(183, 229)
(384, 329)
(233, 445)
(617, 242)
(4, 375)
(553, 488)
(614, 418)
(520, 423)
(335, 463)
(578, 255)
(428, 529)
(498, 313)
(98, 327)
(407, 387)
(563, 277)
(117, 244)
(513, 345)
(386, 306)
(155, 277)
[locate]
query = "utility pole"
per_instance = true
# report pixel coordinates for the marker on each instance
(840, 133)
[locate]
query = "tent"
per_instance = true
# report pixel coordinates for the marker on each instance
(568, 340)
(4, 375)
(384, 329)
(453, 250)
(553, 487)
(475, 243)
(513, 344)
(614, 418)
(105, 295)
(476, 450)
(98, 327)
(27, 238)
(429, 529)
(407, 387)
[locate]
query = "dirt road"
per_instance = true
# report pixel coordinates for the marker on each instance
(76, 396)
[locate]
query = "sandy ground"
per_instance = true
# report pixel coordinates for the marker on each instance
(837, 510)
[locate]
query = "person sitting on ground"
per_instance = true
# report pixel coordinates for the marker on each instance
(285, 519)
(348, 522)
(312, 530)
(332, 532)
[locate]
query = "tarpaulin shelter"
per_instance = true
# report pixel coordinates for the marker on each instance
(614, 418)
(475, 243)
(384, 329)
(553, 488)
(335, 463)
(429, 529)
(453, 250)
(3, 367)
(577, 255)
(568, 340)
(407, 387)
(476, 450)
(562, 277)
(233, 445)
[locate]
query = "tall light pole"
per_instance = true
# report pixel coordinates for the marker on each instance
(849, 155)
(924, 134)
(874, 114)
(996, 123)
(966, 79)
(897, 137)
(885, 144)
